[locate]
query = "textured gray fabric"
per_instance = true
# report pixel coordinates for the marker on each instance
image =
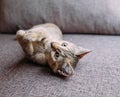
(84, 16)
(10, 53)
(96, 75)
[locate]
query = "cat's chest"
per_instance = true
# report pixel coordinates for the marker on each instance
(39, 47)
(39, 52)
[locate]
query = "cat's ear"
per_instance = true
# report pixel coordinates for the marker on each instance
(80, 52)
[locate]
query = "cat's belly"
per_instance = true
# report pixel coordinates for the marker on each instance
(38, 55)
(39, 58)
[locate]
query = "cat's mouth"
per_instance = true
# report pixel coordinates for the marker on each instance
(66, 70)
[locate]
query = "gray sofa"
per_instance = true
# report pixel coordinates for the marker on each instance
(88, 23)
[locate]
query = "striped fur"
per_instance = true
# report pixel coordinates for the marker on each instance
(44, 44)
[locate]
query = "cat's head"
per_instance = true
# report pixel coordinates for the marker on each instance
(64, 56)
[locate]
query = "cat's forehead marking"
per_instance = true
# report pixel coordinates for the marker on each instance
(69, 53)
(67, 49)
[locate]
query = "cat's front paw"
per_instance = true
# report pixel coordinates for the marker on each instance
(20, 34)
(30, 36)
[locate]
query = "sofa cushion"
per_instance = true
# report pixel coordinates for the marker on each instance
(81, 16)
(10, 53)
(96, 75)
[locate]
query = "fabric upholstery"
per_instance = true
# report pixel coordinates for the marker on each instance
(81, 16)
(96, 75)
(10, 53)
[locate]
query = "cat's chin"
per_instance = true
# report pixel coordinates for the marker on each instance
(64, 73)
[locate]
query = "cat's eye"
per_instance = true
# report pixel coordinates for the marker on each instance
(57, 54)
(64, 44)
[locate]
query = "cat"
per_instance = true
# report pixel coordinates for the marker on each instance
(43, 44)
